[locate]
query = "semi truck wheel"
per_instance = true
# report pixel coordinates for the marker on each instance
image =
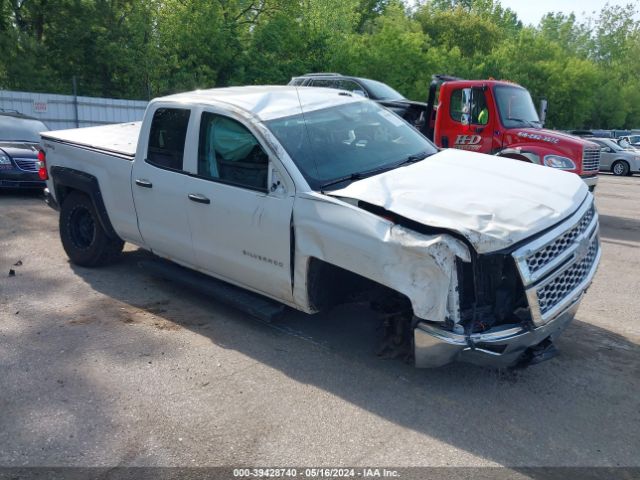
(620, 168)
(82, 235)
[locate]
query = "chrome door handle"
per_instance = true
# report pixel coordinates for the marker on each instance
(144, 183)
(196, 197)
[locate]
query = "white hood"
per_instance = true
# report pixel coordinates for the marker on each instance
(494, 202)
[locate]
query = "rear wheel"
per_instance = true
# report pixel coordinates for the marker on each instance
(83, 238)
(620, 168)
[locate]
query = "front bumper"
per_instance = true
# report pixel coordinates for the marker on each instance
(554, 289)
(500, 347)
(591, 181)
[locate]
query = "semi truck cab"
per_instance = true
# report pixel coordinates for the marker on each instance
(499, 118)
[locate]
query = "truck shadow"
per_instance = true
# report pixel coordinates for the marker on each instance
(620, 229)
(536, 416)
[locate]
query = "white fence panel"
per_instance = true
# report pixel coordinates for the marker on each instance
(66, 111)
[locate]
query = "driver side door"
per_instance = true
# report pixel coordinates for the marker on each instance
(240, 207)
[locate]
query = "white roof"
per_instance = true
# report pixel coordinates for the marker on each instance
(266, 102)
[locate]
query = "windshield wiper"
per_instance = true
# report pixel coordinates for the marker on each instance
(369, 173)
(416, 157)
(528, 123)
(350, 177)
(358, 176)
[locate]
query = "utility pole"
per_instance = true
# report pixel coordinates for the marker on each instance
(75, 100)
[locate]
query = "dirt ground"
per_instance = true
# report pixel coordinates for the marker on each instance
(111, 366)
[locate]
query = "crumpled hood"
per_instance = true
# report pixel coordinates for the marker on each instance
(494, 202)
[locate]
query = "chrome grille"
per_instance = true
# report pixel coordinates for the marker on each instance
(553, 292)
(591, 159)
(557, 267)
(550, 252)
(27, 164)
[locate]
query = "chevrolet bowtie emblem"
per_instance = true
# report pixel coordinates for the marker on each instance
(582, 250)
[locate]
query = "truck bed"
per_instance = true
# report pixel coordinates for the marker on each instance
(120, 139)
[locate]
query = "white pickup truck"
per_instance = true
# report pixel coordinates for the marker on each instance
(310, 196)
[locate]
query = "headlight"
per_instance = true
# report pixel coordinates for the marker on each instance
(4, 160)
(563, 163)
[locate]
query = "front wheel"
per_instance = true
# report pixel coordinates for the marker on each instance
(83, 238)
(620, 168)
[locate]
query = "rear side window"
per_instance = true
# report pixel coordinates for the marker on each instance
(167, 138)
(352, 86)
(326, 83)
(455, 105)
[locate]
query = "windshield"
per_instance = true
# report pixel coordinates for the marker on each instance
(381, 91)
(348, 139)
(611, 144)
(516, 107)
(20, 129)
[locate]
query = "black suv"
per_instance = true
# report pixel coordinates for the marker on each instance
(412, 112)
(19, 138)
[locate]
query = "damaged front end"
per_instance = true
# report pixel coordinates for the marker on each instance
(513, 305)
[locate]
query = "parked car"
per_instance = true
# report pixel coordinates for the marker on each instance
(312, 196)
(624, 143)
(592, 133)
(634, 140)
(616, 159)
(412, 111)
(19, 138)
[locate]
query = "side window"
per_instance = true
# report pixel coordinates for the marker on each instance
(455, 105)
(325, 83)
(352, 86)
(479, 110)
(167, 137)
(229, 152)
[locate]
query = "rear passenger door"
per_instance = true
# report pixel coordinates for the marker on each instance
(160, 189)
(241, 200)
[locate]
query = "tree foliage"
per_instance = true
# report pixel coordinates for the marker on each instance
(144, 48)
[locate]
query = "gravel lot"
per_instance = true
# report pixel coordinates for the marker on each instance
(112, 367)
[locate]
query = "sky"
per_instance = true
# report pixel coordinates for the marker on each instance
(531, 11)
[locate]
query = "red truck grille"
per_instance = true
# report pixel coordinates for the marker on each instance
(590, 159)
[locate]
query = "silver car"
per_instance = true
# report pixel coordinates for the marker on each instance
(633, 140)
(616, 159)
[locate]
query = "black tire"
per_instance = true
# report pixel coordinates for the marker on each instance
(82, 235)
(620, 168)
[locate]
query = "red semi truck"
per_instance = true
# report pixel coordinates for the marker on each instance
(499, 118)
(486, 116)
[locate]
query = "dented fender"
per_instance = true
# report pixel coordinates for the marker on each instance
(422, 267)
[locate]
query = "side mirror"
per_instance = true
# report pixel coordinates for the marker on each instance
(359, 92)
(465, 118)
(543, 111)
(276, 183)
